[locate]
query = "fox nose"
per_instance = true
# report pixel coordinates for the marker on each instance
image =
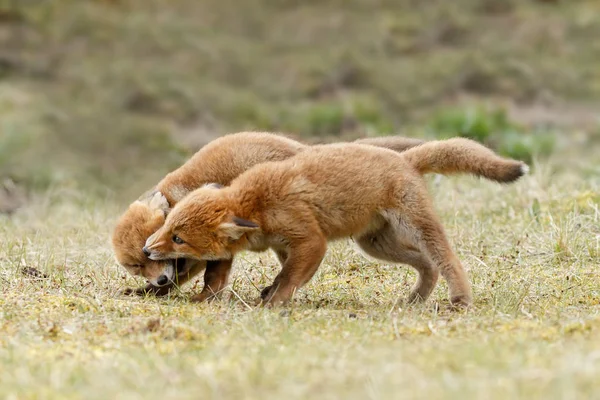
(162, 280)
(146, 251)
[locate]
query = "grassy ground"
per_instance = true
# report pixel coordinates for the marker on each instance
(532, 251)
(118, 92)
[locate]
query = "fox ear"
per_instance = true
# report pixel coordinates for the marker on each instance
(237, 227)
(159, 202)
(155, 201)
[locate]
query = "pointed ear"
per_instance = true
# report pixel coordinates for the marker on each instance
(237, 227)
(155, 201)
(159, 202)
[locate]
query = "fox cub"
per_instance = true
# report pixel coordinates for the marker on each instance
(220, 161)
(376, 196)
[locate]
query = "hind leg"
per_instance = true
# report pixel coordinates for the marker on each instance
(413, 216)
(439, 250)
(391, 245)
(434, 243)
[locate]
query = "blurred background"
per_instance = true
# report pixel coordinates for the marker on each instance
(107, 96)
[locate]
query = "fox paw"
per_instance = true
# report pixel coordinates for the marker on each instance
(204, 296)
(460, 302)
(148, 289)
(265, 294)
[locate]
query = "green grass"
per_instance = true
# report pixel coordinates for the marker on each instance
(532, 251)
(494, 128)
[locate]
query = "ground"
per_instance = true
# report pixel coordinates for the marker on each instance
(532, 251)
(100, 98)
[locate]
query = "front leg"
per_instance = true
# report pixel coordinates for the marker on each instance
(303, 260)
(215, 280)
(282, 255)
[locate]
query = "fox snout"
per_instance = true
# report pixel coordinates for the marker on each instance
(174, 271)
(152, 249)
(153, 254)
(167, 275)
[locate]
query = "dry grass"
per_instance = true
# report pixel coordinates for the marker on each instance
(106, 91)
(532, 251)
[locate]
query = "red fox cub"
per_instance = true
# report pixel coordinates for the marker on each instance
(376, 196)
(220, 161)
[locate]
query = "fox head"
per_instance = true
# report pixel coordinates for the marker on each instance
(202, 226)
(140, 221)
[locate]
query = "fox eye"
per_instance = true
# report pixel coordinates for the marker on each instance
(177, 239)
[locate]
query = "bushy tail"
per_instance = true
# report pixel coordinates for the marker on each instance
(395, 143)
(459, 155)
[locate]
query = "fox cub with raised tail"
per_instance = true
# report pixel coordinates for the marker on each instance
(376, 196)
(220, 161)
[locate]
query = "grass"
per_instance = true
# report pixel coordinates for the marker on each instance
(118, 92)
(532, 251)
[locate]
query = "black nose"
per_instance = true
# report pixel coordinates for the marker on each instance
(162, 280)
(146, 251)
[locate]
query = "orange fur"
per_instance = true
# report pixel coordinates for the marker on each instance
(220, 161)
(328, 192)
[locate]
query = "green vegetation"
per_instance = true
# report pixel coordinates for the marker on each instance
(494, 129)
(118, 88)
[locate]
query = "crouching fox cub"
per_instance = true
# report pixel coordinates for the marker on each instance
(376, 196)
(220, 161)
